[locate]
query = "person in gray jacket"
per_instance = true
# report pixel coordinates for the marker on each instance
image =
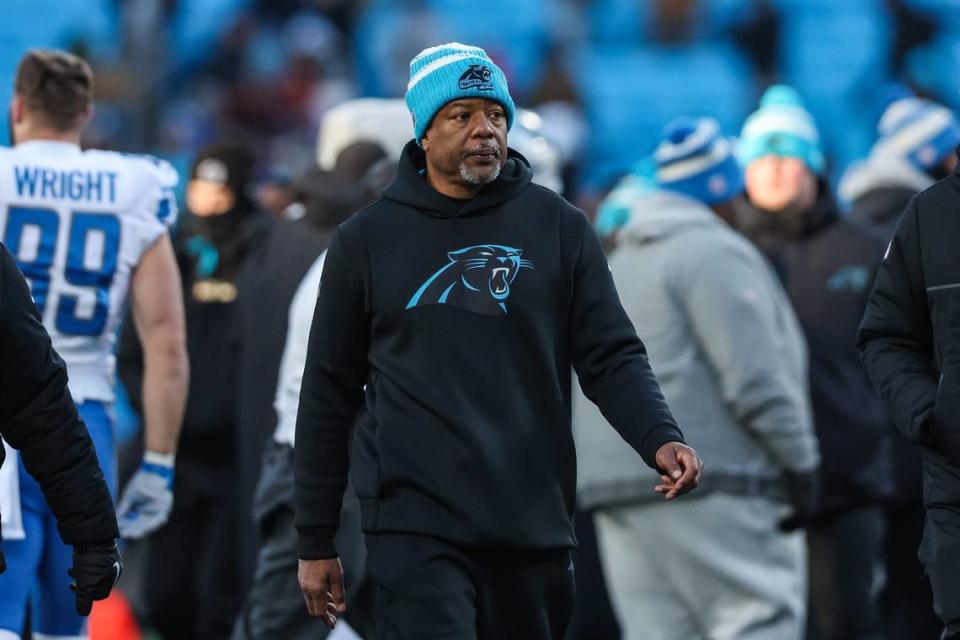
(729, 352)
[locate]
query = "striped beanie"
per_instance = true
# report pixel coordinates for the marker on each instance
(781, 127)
(920, 131)
(449, 72)
(695, 159)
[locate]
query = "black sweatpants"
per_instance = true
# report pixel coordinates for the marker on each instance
(428, 589)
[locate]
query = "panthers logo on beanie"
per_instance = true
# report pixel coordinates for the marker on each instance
(477, 76)
(476, 278)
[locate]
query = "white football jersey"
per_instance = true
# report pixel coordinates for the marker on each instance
(78, 223)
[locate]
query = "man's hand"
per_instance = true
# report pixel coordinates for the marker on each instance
(803, 493)
(682, 466)
(321, 582)
(96, 568)
(148, 498)
(3, 562)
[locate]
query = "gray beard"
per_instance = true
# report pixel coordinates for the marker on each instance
(476, 177)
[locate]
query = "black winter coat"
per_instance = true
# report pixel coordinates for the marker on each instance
(39, 419)
(910, 335)
(827, 265)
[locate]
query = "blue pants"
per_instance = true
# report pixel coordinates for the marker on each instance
(37, 565)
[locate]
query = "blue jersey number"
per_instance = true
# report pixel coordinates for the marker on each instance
(86, 230)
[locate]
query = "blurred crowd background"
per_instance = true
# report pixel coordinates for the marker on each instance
(603, 76)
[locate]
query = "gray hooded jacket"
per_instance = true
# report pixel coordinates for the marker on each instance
(723, 342)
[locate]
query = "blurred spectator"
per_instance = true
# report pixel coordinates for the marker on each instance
(192, 580)
(732, 359)
(915, 148)
(362, 120)
(293, 246)
(276, 194)
(290, 271)
(827, 265)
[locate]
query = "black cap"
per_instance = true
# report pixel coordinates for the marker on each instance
(226, 163)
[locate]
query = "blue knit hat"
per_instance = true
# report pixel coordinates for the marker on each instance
(695, 159)
(781, 127)
(920, 131)
(449, 72)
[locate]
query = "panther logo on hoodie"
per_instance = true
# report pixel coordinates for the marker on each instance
(476, 278)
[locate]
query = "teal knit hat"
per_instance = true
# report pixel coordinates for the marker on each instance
(448, 72)
(781, 127)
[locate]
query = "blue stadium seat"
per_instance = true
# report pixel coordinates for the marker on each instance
(837, 55)
(629, 95)
(64, 24)
(628, 22)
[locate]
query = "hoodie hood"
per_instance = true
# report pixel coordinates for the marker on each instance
(882, 172)
(657, 214)
(412, 189)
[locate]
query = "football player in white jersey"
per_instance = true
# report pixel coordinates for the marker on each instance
(87, 228)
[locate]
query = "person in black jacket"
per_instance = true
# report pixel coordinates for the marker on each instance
(915, 148)
(910, 340)
(826, 264)
(450, 313)
(193, 576)
(39, 419)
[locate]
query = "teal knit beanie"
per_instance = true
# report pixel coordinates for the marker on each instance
(452, 71)
(783, 127)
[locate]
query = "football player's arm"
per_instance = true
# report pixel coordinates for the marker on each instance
(158, 317)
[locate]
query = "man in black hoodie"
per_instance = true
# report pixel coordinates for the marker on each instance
(449, 315)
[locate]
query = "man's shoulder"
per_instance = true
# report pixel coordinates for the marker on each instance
(940, 198)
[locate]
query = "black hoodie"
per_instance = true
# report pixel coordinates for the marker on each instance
(463, 320)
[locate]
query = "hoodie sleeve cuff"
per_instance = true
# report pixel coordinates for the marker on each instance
(656, 438)
(316, 544)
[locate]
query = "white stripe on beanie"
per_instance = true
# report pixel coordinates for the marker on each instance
(781, 119)
(713, 155)
(914, 135)
(439, 63)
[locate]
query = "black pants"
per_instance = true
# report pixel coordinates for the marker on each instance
(428, 589)
(940, 554)
(274, 607)
(846, 560)
(907, 600)
(191, 588)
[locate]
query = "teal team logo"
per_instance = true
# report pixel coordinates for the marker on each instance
(477, 278)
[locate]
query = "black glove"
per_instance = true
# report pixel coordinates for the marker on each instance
(803, 494)
(3, 562)
(96, 568)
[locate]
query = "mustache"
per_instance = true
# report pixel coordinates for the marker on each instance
(484, 149)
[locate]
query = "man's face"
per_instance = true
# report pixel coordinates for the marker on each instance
(206, 198)
(776, 183)
(466, 143)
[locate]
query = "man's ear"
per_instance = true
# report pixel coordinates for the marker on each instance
(17, 109)
(425, 141)
(87, 115)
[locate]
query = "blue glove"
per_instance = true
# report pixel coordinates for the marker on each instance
(148, 498)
